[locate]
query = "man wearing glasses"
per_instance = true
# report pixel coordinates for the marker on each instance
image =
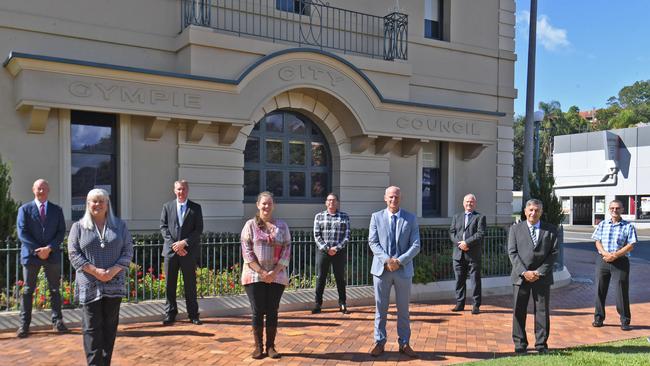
(615, 240)
(332, 234)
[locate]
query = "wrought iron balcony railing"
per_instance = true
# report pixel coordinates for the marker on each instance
(308, 23)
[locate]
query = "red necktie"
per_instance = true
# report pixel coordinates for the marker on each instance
(42, 213)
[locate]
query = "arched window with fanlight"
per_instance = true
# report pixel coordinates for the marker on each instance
(287, 154)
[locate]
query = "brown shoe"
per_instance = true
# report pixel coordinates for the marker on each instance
(407, 350)
(377, 350)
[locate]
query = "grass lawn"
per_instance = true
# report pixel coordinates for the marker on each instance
(631, 352)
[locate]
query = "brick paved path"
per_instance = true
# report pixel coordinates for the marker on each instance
(331, 338)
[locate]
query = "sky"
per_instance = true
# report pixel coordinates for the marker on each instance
(587, 50)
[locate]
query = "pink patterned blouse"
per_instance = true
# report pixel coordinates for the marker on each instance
(255, 246)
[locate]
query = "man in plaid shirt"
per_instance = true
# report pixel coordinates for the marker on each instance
(615, 239)
(332, 234)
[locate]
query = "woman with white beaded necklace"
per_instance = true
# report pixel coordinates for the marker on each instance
(100, 250)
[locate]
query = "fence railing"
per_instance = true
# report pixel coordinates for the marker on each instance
(308, 23)
(219, 267)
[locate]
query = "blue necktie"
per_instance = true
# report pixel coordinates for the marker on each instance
(393, 231)
(467, 215)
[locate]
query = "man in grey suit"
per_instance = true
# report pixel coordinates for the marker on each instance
(41, 228)
(181, 225)
(533, 248)
(466, 232)
(394, 239)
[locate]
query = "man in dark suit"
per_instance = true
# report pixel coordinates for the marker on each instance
(466, 232)
(533, 248)
(181, 224)
(41, 228)
(394, 239)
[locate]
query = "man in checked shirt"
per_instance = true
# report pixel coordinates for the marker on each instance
(615, 240)
(332, 234)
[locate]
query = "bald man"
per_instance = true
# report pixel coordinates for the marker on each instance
(41, 228)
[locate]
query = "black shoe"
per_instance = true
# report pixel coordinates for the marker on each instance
(458, 307)
(316, 309)
(344, 309)
(22, 332)
(476, 310)
(60, 327)
(169, 320)
(520, 351)
(597, 324)
(196, 321)
(542, 351)
(626, 327)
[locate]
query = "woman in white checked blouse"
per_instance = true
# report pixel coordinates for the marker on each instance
(100, 250)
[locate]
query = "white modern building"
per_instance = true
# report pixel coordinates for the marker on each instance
(592, 169)
(237, 96)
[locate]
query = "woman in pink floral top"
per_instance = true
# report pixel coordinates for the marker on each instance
(266, 248)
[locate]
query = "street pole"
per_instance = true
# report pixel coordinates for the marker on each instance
(530, 101)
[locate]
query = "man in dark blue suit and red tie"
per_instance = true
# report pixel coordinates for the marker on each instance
(41, 228)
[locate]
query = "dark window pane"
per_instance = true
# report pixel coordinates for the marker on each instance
(318, 154)
(294, 6)
(90, 171)
(274, 183)
(252, 151)
(430, 192)
(297, 184)
(251, 182)
(294, 124)
(318, 185)
(256, 127)
(431, 29)
(274, 151)
(273, 123)
(296, 153)
(91, 139)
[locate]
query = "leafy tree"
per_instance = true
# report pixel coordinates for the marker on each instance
(518, 153)
(8, 207)
(541, 187)
(635, 94)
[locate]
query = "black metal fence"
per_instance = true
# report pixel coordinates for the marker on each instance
(308, 23)
(219, 270)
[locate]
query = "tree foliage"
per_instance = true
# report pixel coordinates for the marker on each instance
(542, 189)
(8, 207)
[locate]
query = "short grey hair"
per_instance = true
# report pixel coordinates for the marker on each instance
(87, 220)
(470, 195)
(399, 191)
(535, 202)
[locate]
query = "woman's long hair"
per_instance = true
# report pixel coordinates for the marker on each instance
(258, 220)
(87, 220)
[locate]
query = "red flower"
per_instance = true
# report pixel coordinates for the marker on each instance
(150, 270)
(20, 283)
(162, 276)
(66, 302)
(232, 284)
(139, 274)
(42, 299)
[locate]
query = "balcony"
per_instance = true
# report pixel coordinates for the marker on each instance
(306, 23)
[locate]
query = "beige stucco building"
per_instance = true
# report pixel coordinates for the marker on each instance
(239, 96)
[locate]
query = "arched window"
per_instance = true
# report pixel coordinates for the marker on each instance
(287, 154)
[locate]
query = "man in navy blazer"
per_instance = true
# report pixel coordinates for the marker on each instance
(181, 225)
(41, 228)
(394, 239)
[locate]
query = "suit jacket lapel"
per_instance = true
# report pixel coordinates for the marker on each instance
(471, 218)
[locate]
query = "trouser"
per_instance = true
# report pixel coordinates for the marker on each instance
(99, 328)
(541, 294)
(338, 262)
(30, 275)
(187, 266)
(265, 300)
(619, 270)
(462, 268)
(382, 286)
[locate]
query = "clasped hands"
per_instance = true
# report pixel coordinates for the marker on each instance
(392, 264)
(462, 245)
(179, 247)
(104, 275)
(43, 252)
(531, 276)
(608, 256)
(267, 277)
